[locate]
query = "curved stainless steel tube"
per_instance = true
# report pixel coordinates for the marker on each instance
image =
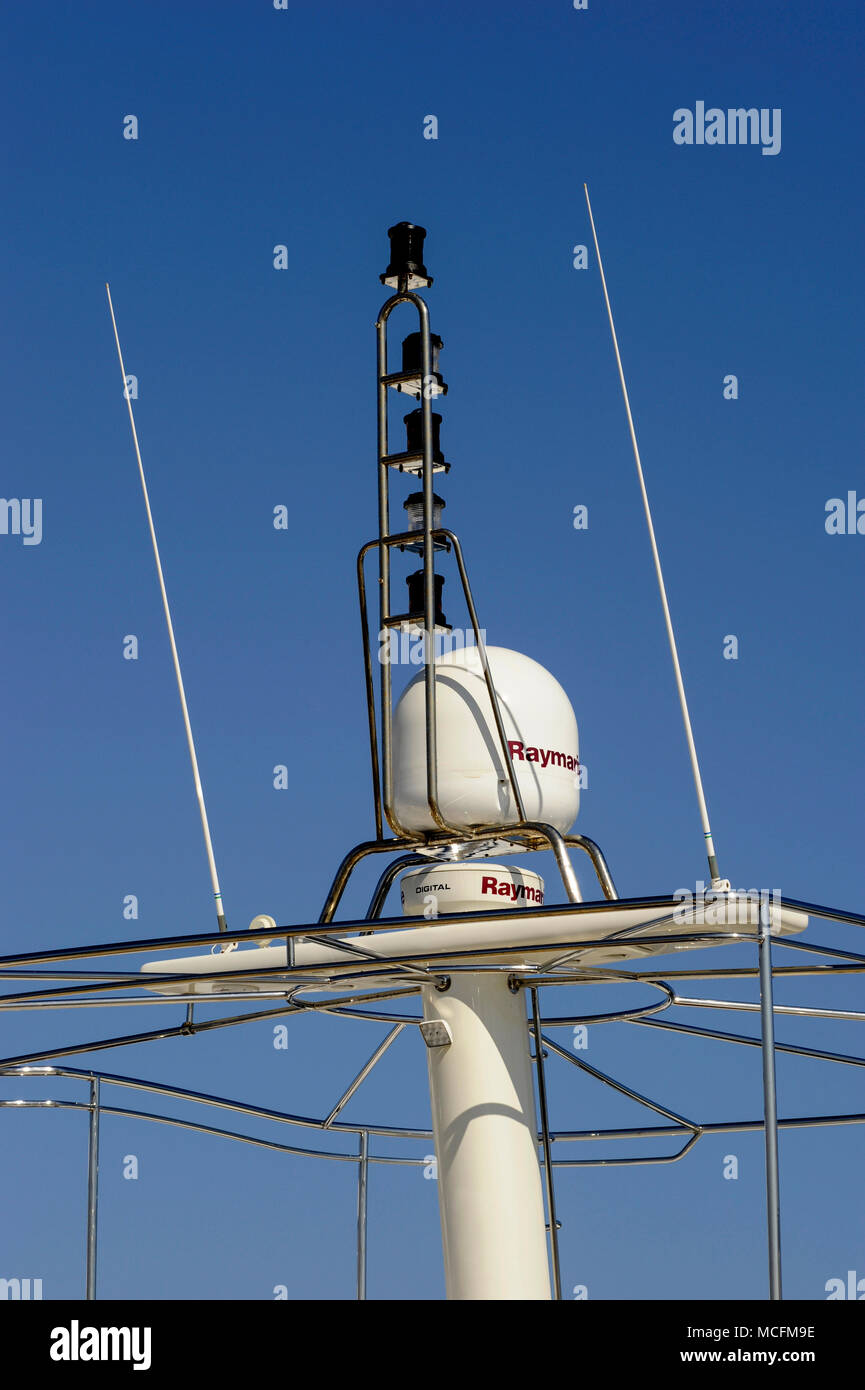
(349, 863)
(599, 863)
(494, 699)
(370, 697)
(556, 842)
(383, 886)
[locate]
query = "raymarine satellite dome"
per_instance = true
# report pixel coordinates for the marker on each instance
(473, 781)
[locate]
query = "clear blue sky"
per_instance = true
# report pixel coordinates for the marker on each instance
(260, 127)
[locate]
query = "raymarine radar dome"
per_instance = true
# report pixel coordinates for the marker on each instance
(474, 788)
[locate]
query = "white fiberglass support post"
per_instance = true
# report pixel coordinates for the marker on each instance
(483, 1114)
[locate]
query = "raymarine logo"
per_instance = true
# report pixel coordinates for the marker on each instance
(736, 126)
(514, 891)
(77, 1343)
(544, 756)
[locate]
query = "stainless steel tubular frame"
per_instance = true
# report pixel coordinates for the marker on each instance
(370, 689)
(385, 882)
(42, 1072)
(406, 297)
(384, 543)
(682, 1125)
(599, 863)
(92, 1187)
(364, 1132)
(770, 1102)
(362, 1211)
(350, 862)
(494, 700)
(539, 834)
(556, 842)
(688, 1030)
(363, 1073)
(689, 1131)
(21, 964)
(549, 1185)
(457, 835)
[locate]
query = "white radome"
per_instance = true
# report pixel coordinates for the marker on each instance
(436, 890)
(473, 785)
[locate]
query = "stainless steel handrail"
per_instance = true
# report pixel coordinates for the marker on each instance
(689, 1131)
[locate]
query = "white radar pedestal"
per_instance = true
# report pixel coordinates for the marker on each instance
(485, 1132)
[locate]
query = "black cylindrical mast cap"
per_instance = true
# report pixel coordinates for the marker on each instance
(415, 584)
(414, 433)
(411, 352)
(406, 257)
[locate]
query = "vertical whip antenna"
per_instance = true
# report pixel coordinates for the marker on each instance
(199, 791)
(680, 685)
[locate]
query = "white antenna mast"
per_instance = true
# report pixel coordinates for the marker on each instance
(680, 685)
(199, 791)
